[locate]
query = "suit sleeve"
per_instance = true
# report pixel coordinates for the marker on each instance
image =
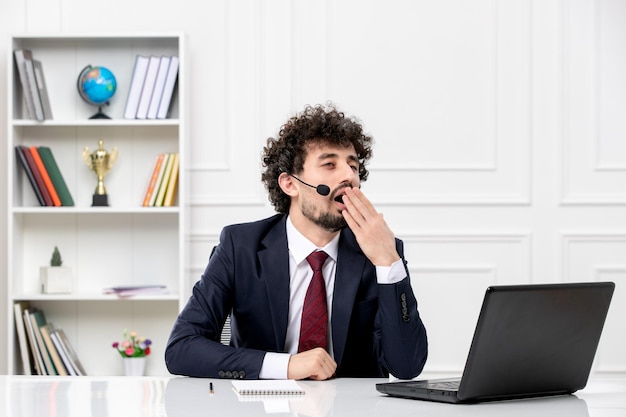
(402, 336)
(194, 347)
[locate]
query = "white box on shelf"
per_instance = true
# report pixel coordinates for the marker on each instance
(55, 279)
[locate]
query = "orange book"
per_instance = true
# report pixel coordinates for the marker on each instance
(153, 180)
(44, 175)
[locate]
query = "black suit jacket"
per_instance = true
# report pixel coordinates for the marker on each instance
(376, 328)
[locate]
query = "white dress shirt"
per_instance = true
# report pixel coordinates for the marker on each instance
(300, 273)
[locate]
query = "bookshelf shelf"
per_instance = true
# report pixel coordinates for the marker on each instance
(58, 211)
(122, 244)
(173, 298)
(95, 123)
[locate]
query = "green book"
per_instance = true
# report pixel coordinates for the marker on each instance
(55, 176)
(38, 319)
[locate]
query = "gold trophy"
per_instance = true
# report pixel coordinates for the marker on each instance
(100, 162)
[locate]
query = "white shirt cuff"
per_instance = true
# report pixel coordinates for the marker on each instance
(391, 274)
(275, 366)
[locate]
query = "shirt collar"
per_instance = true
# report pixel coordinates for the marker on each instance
(301, 247)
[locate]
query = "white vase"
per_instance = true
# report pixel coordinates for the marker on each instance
(134, 366)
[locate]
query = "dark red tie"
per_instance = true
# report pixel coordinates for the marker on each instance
(314, 323)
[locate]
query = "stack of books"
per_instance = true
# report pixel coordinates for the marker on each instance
(33, 83)
(44, 349)
(44, 175)
(161, 191)
(151, 87)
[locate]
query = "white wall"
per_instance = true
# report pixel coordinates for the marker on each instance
(500, 154)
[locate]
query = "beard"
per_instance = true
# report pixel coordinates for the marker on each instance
(328, 221)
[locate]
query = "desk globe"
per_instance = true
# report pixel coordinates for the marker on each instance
(96, 85)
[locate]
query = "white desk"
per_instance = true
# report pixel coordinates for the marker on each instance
(177, 397)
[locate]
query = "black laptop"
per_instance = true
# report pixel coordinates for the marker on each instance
(530, 340)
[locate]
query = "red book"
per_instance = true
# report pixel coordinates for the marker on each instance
(29, 174)
(38, 179)
(56, 201)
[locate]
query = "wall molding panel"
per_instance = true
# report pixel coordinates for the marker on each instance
(485, 162)
(593, 149)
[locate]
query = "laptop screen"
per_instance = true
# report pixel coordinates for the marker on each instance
(535, 339)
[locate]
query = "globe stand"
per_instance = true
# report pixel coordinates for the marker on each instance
(100, 114)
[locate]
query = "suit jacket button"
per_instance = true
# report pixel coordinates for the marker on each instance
(221, 374)
(242, 374)
(229, 374)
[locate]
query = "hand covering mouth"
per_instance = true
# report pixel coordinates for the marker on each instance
(341, 191)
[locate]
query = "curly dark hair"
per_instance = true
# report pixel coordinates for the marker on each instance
(316, 124)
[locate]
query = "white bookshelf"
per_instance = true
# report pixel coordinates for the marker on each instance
(122, 244)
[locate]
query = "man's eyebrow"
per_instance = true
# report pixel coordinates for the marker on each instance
(334, 155)
(327, 155)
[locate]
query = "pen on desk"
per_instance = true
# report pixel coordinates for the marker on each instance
(211, 388)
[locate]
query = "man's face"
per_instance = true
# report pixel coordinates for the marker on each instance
(336, 167)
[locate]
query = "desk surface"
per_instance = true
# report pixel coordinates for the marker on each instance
(177, 397)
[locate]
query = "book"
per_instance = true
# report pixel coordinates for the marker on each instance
(168, 88)
(165, 180)
(55, 176)
(62, 353)
(159, 180)
(153, 180)
(56, 201)
(38, 178)
(69, 350)
(168, 201)
(136, 85)
(148, 87)
(159, 84)
(32, 342)
(131, 290)
(42, 89)
(38, 319)
(29, 174)
(20, 329)
(268, 387)
(45, 330)
(34, 90)
(26, 71)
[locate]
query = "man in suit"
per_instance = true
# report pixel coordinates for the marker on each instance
(368, 325)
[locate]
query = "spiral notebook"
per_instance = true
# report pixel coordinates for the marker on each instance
(268, 387)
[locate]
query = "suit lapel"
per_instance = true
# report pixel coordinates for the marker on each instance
(274, 266)
(350, 265)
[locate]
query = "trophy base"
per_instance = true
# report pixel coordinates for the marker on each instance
(100, 200)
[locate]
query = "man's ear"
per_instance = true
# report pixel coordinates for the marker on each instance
(286, 183)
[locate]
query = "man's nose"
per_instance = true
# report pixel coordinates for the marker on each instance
(349, 175)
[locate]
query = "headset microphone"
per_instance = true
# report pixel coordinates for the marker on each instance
(321, 189)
